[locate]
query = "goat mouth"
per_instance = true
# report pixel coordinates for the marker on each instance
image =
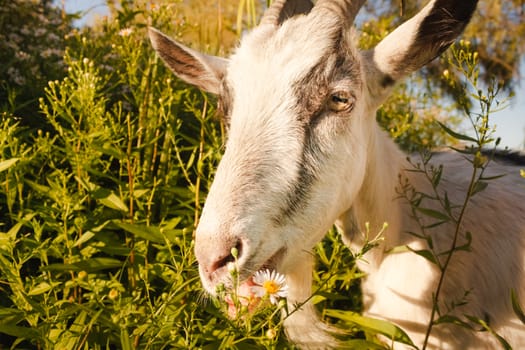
(245, 294)
(247, 271)
(272, 264)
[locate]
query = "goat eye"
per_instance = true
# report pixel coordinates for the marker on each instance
(340, 101)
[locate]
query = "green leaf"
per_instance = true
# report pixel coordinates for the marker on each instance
(79, 324)
(372, 325)
(505, 345)
(427, 254)
(97, 264)
(436, 176)
(13, 231)
(45, 190)
(434, 224)
(109, 150)
(502, 341)
(478, 187)
(109, 199)
(466, 246)
(92, 232)
(91, 265)
(68, 340)
(492, 177)
(149, 233)
(84, 238)
(467, 151)
(434, 214)
(19, 332)
(332, 296)
(457, 135)
(171, 223)
(398, 249)
(360, 344)
(6, 164)
(106, 197)
(453, 320)
(9, 312)
(125, 340)
(448, 205)
(42, 288)
(518, 310)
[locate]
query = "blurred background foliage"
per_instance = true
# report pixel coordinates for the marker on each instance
(31, 51)
(106, 158)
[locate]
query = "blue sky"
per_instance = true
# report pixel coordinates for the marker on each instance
(510, 123)
(90, 8)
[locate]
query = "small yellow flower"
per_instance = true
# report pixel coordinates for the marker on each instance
(270, 283)
(113, 294)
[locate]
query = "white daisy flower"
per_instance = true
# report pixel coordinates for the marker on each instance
(125, 32)
(270, 283)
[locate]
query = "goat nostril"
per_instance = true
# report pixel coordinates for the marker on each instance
(231, 256)
(222, 262)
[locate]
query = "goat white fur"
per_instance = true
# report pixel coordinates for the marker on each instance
(304, 151)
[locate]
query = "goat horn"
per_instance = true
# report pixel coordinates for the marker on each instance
(280, 10)
(346, 9)
(271, 16)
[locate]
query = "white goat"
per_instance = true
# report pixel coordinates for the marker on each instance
(304, 152)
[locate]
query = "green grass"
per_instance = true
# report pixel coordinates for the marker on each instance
(100, 200)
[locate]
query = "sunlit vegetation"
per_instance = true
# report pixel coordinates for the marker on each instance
(106, 159)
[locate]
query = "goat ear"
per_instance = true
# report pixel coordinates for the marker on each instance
(195, 68)
(417, 42)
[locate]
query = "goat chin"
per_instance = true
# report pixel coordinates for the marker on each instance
(306, 330)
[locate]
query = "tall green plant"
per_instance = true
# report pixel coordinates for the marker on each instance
(479, 152)
(103, 204)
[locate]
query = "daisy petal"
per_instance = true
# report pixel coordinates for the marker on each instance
(270, 283)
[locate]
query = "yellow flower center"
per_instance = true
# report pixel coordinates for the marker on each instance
(271, 287)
